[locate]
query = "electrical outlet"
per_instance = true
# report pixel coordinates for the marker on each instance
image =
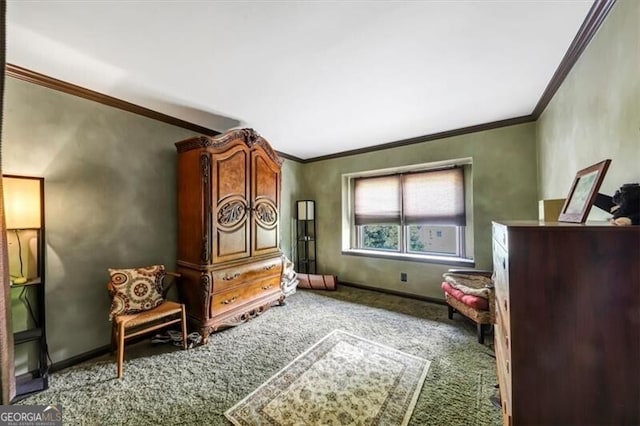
(403, 276)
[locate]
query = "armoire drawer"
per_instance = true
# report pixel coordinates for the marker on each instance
(234, 297)
(224, 279)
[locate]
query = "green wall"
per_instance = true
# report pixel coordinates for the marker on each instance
(504, 187)
(291, 188)
(596, 112)
(110, 201)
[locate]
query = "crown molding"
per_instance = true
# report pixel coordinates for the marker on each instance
(597, 14)
(427, 138)
(290, 157)
(30, 76)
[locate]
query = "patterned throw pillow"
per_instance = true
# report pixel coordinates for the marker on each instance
(135, 290)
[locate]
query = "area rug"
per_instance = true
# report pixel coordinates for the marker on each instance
(343, 379)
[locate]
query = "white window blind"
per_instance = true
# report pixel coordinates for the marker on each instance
(434, 197)
(377, 200)
(431, 197)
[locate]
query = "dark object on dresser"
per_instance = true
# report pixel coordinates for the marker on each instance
(624, 205)
(567, 332)
(228, 235)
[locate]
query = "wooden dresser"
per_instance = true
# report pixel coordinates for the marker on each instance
(228, 239)
(567, 335)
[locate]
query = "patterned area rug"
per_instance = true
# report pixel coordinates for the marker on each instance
(341, 380)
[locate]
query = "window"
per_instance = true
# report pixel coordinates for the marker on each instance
(418, 213)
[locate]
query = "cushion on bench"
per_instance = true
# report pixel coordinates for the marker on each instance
(469, 300)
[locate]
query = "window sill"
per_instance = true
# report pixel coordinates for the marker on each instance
(442, 260)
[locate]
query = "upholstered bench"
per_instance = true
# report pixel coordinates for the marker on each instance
(470, 293)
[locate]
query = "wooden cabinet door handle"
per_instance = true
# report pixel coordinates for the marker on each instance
(229, 301)
(270, 267)
(231, 277)
(266, 287)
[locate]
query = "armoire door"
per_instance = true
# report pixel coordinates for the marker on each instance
(231, 204)
(265, 192)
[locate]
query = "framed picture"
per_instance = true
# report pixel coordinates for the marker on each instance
(583, 193)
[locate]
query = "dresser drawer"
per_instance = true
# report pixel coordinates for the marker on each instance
(503, 364)
(224, 279)
(502, 313)
(502, 342)
(236, 297)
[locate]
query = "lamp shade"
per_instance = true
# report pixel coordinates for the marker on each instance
(306, 210)
(22, 202)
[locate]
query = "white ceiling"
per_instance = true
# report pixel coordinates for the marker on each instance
(313, 77)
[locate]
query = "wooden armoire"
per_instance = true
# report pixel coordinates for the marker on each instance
(228, 238)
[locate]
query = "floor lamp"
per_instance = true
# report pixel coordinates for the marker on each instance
(23, 211)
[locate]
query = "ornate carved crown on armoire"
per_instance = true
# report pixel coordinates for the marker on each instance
(228, 238)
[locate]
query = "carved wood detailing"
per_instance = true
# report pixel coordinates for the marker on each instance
(262, 143)
(249, 136)
(232, 213)
(242, 317)
(205, 288)
(266, 213)
(205, 332)
(205, 164)
(199, 142)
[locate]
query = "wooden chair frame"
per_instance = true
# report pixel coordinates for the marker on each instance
(127, 326)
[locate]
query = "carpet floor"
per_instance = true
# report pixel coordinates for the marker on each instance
(341, 380)
(165, 385)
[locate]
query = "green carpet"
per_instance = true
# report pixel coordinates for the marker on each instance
(341, 380)
(165, 385)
